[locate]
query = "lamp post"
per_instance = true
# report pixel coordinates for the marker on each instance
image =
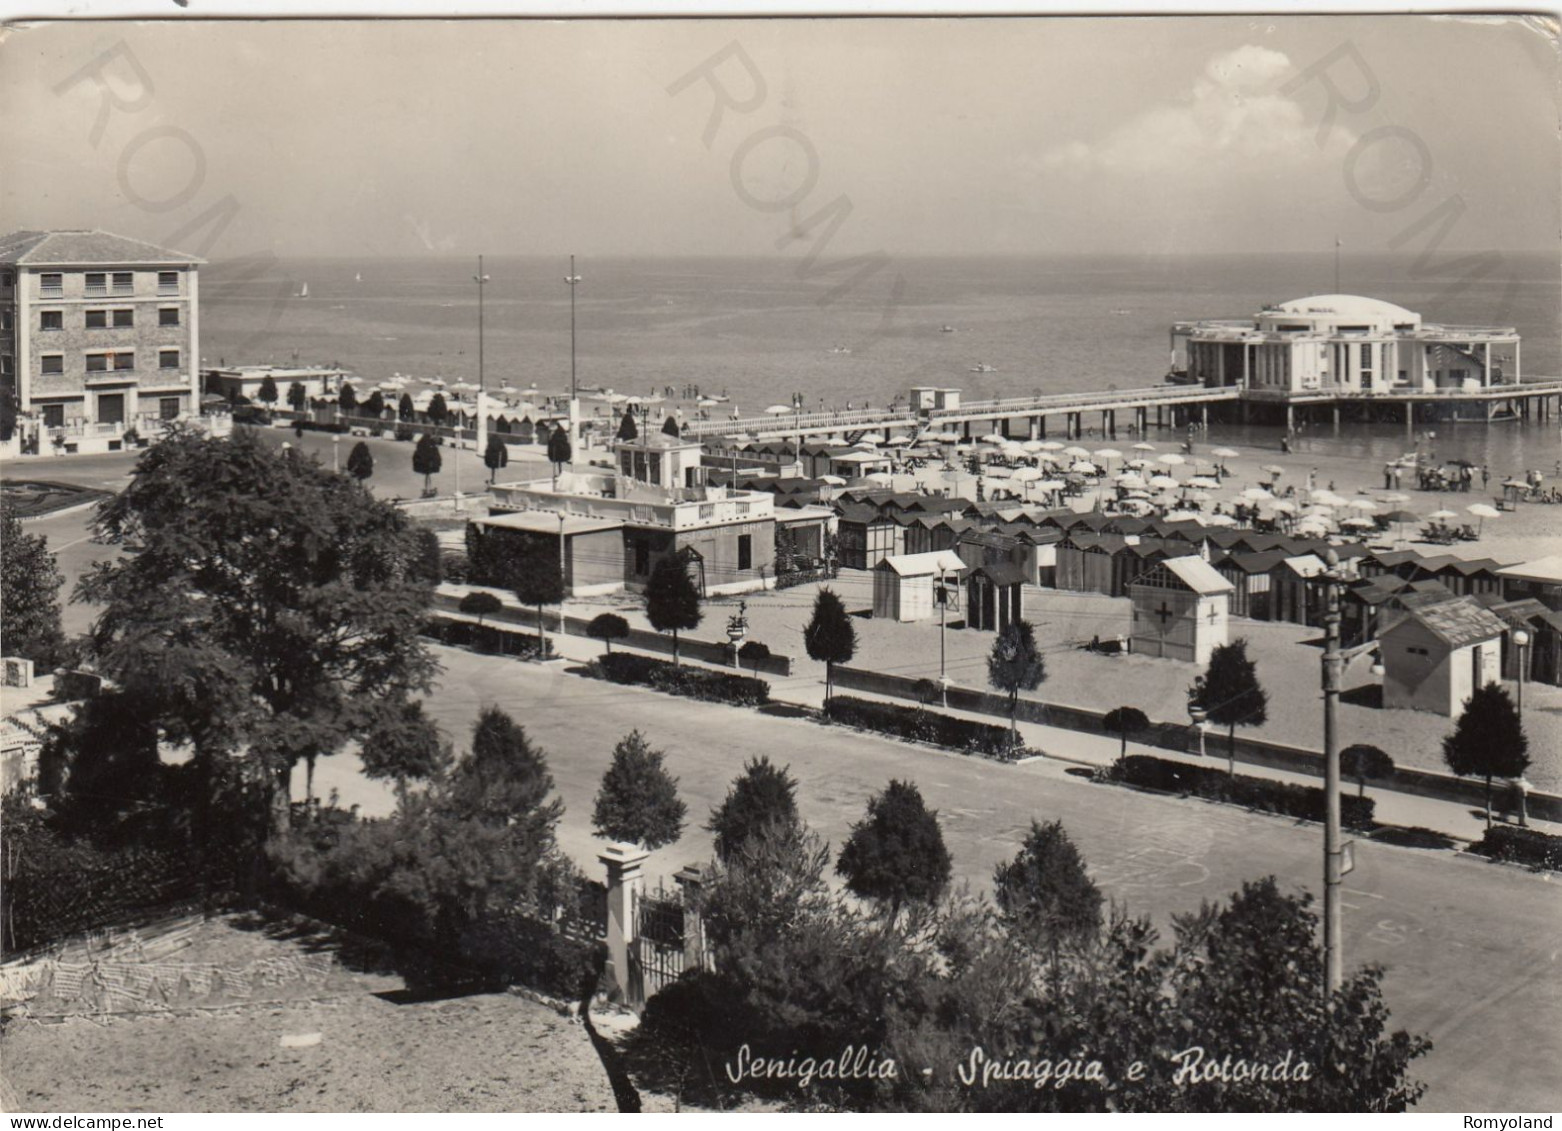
(482, 408)
(1199, 717)
(336, 451)
(943, 613)
(574, 397)
(1521, 641)
(1333, 662)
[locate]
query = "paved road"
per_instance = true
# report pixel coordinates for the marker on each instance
(1471, 948)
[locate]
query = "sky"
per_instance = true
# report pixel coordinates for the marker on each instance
(1173, 135)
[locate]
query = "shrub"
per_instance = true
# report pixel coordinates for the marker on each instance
(503, 641)
(1515, 844)
(918, 725)
(696, 683)
(1302, 801)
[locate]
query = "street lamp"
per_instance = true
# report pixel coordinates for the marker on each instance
(943, 612)
(1521, 642)
(1333, 663)
(336, 451)
(573, 280)
(482, 409)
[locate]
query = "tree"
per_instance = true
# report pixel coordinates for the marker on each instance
(1015, 665)
(347, 399)
(830, 636)
(505, 781)
(480, 603)
(1123, 721)
(607, 627)
(1488, 740)
(538, 578)
(753, 653)
(670, 428)
(1231, 694)
(626, 427)
(559, 452)
(1362, 762)
(438, 411)
(274, 606)
(896, 853)
(497, 456)
(402, 745)
(638, 800)
(268, 391)
(405, 410)
(360, 462)
(761, 804)
(426, 461)
(672, 602)
(29, 593)
(1045, 894)
(926, 690)
(296, 397)
(375, 405)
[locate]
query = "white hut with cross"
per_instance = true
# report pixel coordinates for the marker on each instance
(1180, 609)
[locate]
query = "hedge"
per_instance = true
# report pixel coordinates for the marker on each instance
(696, 683)
(501, 640)
(1518, 845)
(1284, 798)
(921, 725)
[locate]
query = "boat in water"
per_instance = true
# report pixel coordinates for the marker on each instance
(946, 329)
(303, 291)
(983, 369)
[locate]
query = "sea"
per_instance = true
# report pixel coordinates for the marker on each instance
(759, 330)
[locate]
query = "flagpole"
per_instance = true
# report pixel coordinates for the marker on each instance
(1336, 263)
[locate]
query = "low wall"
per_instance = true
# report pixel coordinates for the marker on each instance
(1182, 738)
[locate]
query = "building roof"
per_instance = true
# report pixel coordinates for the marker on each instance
(1002, 573)
(923, 565)
(1457, 623)
(1546, 570)
(794, 512)
(1346, 307)
(1261, 561)
(547, 522)
(83, 247)
(1305, 565)
(1191, 572)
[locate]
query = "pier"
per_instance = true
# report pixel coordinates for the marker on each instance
(1172, 405)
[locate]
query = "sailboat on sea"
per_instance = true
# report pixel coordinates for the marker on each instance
(358, 278)
(303, 291)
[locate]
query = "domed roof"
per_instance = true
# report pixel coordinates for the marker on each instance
(1348, 306)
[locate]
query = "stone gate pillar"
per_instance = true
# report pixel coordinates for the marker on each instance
(624, 881)
(691, 881)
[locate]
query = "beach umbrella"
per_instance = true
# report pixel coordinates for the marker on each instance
(1312, 526)
(1033, 446)
(1443, 514)
(1026, 475)
(1138, 463)
(1049, 445)
(948, 437)
(1220, 520)
(1077, 452)
(1361, 522)
(780, 410)
(883, 478)
(1284, 506)
(1327, 498)
(1170, 459)
(1225, 453)
(1482, 511)
(1137, 494)
(1163, 482)
(1084, 467)
(897, 441)
(1130, 479)
(1144, 447)
(1399, 516)
(1200, 496)
(1363, 505)
(706, 402)
(1516, 483)
(866, 446)
(1204, 482)
(1256, 495)
(832, 480)
(1394, 497)
(1180, 516)
(1108, 453)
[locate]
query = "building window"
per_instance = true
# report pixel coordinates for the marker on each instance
(124, 282)
(52, 283)
(1414, 651)
(168, 359)
(168, 408)
(97, 283)
(54, 416)
(5, 320)
(168, 316)
(97, 319)
(124, 360)
(51, 320)
(52, 363)
(745, 551)
(124, 319)
(7, 366)
(97, 363)
(168, 282)
(626, 464)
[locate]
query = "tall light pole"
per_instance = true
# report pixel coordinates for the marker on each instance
(574, 395)
(482, 407)
(1333, 662)
(1521, 642)
(943, 612)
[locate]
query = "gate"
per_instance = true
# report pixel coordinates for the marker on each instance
(657, 952)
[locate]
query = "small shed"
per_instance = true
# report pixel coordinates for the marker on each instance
(994, 595)
(1180, 610)
(904, 584)
(1435, 656)
(1543, 657)
(1294, 595)
(1251, 575)
(866, 536)
(1540, 579)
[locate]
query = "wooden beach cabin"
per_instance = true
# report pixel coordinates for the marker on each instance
(1180, 609)
(1251, 576)
(1436, 656)
(865, 536)
(904, 585)
(1294, 595)
(994, 595)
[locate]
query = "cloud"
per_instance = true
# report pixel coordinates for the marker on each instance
(1231, 122)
